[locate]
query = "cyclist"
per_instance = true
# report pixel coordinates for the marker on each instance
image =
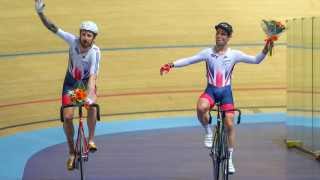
(220, 61)
(84, 58)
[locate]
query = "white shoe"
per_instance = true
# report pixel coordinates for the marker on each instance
(231, 167)
(208, 141)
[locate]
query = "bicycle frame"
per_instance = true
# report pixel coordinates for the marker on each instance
(219, 151)
(82, 140)
(81, 143)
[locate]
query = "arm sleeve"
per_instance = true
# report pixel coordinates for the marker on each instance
(241, 57)
(66, 36)
(95, 61)
(201, 56)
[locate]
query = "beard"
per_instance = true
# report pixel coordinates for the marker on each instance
(85, 44)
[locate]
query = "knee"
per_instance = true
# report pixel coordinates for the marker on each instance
(202, 108)
(230, 124)
(68, 118)
(91, 109)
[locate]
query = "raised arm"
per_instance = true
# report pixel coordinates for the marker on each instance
(46, 22)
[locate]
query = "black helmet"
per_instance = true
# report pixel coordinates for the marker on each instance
(225, 26)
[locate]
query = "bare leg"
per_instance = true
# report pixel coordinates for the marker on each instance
(230, 129)
(202, 111)
(91, 121)
(68, 127)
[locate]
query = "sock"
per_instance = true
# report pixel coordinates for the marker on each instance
(207, 129)
(230, 153)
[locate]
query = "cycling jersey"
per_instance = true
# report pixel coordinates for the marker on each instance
(219, 73)
(220, 67)
(80, 65)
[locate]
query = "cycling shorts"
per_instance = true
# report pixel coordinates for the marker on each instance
(68, 85)
(223, 95)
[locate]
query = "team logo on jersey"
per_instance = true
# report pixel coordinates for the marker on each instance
(214, 55)
(83, 62)
(77, 50)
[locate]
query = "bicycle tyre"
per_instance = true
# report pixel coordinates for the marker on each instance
(225, 155)
(82, 155)
(214, 153)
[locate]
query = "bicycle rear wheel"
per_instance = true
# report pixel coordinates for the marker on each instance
(215, 155)
(224, 155)
(82, 155)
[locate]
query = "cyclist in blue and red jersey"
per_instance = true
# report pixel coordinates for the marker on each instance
(84, 59)
(220, 61)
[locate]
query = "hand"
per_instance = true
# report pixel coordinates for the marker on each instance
(39, 6)
(165, 68)
(88, 103)
(269, 45)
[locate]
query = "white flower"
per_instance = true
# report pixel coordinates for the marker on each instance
(70, 93)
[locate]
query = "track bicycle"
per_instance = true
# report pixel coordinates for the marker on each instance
(220, 151)
(81, 145)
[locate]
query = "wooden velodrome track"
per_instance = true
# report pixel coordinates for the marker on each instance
(33, 60)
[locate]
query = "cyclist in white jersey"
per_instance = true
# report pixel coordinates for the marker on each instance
(220, 61)
(84, 58)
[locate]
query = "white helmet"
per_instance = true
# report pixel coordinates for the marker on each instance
(89, 26)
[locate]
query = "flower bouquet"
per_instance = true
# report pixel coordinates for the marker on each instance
(273, 29)
(77, 96)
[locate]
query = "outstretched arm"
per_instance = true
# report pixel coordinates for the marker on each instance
(46, 22)
(241, 57)
(201, 56)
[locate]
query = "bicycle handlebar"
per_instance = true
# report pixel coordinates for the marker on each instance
(227, 110)
(74, 105)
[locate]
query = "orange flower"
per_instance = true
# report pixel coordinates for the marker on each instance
(84, 95)
(80, 91)
(86, 105)
(72, 98)
(278, 23)
(283, 26)
(79, 96)
(79, 99)
(74, 91)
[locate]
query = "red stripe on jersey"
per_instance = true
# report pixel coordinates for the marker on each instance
(219, 79)
(210, 75)
(229, 75)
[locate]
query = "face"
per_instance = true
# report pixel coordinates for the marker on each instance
(86, 38)
(222, 37)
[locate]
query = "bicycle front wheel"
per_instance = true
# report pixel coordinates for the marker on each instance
(215, 154)
(224, 155)
(82, 154)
